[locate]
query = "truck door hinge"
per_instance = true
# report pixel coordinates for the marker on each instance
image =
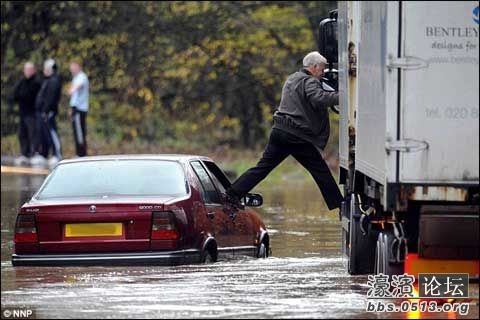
(406, 145)
(406, 63)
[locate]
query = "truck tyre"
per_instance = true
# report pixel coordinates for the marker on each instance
(384, 259)
(362, 246)
(378, 268)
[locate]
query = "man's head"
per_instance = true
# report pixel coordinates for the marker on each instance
(28, 69)
(75, 66)
(315, 63)
(49, 67)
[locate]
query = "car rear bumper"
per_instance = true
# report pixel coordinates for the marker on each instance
(167, 258)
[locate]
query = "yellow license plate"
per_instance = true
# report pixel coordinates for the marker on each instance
(93, 230)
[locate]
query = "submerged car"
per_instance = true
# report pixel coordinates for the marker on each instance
(136, 209)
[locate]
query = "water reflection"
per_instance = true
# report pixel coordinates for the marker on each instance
(16, 189)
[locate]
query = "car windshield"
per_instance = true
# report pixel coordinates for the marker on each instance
(115, 177)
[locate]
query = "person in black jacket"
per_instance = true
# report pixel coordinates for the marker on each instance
(301, 129)
(24, 94)
(47, 109)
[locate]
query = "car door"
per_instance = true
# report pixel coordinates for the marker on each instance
(222, 224)
(243, 234)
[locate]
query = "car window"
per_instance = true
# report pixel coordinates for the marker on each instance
(115, 177)
(217, 183)
(209, 192)
(219, 177)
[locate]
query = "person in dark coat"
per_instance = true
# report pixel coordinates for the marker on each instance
(301, 129)
(46, 105)
(24, 94)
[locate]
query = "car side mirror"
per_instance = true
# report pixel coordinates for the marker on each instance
(253, 200)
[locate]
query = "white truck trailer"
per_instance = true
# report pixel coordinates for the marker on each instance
(408, 78)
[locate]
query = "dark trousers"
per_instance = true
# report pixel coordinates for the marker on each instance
(42, 136)
(79, 125)
(280, 145)
(27, 134)
(49, 136)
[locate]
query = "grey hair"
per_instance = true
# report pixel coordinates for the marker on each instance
(313, 58)
(49, 64)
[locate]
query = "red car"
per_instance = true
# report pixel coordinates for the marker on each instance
(136, 209)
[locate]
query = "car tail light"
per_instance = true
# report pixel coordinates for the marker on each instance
(164, 227)
(25, 228)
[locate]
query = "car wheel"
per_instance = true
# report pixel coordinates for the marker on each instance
(208, 258)
(262, 251)
(210, 255)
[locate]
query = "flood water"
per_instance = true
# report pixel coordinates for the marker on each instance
(305, 278)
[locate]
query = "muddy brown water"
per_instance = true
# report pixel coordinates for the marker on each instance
(305, 278)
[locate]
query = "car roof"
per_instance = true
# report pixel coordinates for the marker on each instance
(166, 157)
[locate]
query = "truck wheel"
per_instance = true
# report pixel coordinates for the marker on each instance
(385, 259)
(362, 246)
(378, 268)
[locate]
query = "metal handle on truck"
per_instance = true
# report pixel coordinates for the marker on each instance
(406, 145)
(406, 63)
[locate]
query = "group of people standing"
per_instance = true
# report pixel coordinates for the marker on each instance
(38, 102)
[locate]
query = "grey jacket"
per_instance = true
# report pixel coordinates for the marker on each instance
(303, 109)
